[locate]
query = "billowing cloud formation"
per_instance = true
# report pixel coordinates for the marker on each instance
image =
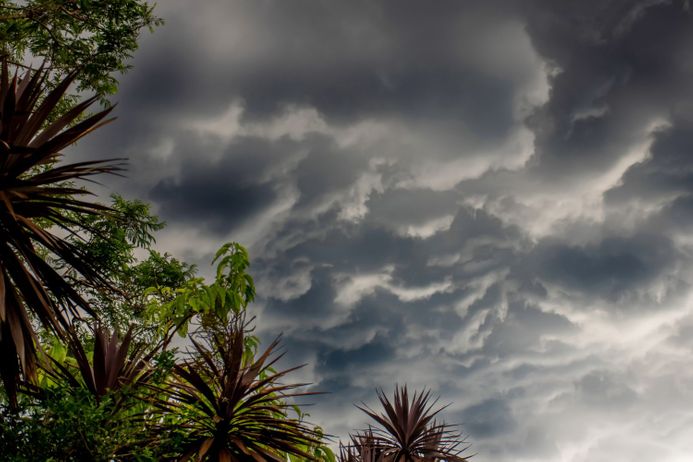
(491, 199)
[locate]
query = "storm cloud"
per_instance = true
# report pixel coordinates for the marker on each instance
(489, 199)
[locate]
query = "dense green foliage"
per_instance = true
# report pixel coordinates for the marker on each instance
(64, 425)
(96, 36)
(139, 287)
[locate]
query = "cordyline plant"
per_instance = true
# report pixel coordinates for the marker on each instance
(233, 406)
(406, 432)
(114, 366)
(37, 195)
(364, 447)
(105, 389)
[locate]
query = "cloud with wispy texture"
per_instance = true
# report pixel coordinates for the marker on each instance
(491, 199)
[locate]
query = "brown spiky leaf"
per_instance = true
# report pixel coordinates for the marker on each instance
(114, 365)
(405, 432)
(34, 191)
(236, 410)
(364, 447)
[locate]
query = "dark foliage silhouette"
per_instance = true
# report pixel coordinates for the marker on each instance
(405, 432)
(37, 196)
(233, 404)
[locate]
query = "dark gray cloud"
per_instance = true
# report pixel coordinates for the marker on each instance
(611, 269)
(224, 186)
(668, 172)
(411, 206)
(489, 418)
(619, 67)
(348, 61)
(489, 199)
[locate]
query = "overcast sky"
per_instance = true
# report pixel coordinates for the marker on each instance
(493, 199)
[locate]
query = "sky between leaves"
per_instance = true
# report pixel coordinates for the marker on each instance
(492, 199)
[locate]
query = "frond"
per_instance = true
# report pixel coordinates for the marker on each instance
(38, 197)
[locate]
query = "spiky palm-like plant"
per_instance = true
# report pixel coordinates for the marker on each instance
(364, 447)
(406, 432)
(37, 195)
(233, 406)
(113, 365)
(108, 388)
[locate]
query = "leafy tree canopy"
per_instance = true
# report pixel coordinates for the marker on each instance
(98, 37)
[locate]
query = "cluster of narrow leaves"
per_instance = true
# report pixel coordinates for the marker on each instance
(235, 406)
(104, 385)
(113, 366)
(36, 195)
(221, 404)
(406, 432)
(364, 447)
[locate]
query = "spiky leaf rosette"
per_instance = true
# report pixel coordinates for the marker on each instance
(38, 196)
(405, 432)
(114, 365)
(364, 447)
(234, 407)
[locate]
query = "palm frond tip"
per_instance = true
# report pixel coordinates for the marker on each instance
(236, 408)
(405, 432)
